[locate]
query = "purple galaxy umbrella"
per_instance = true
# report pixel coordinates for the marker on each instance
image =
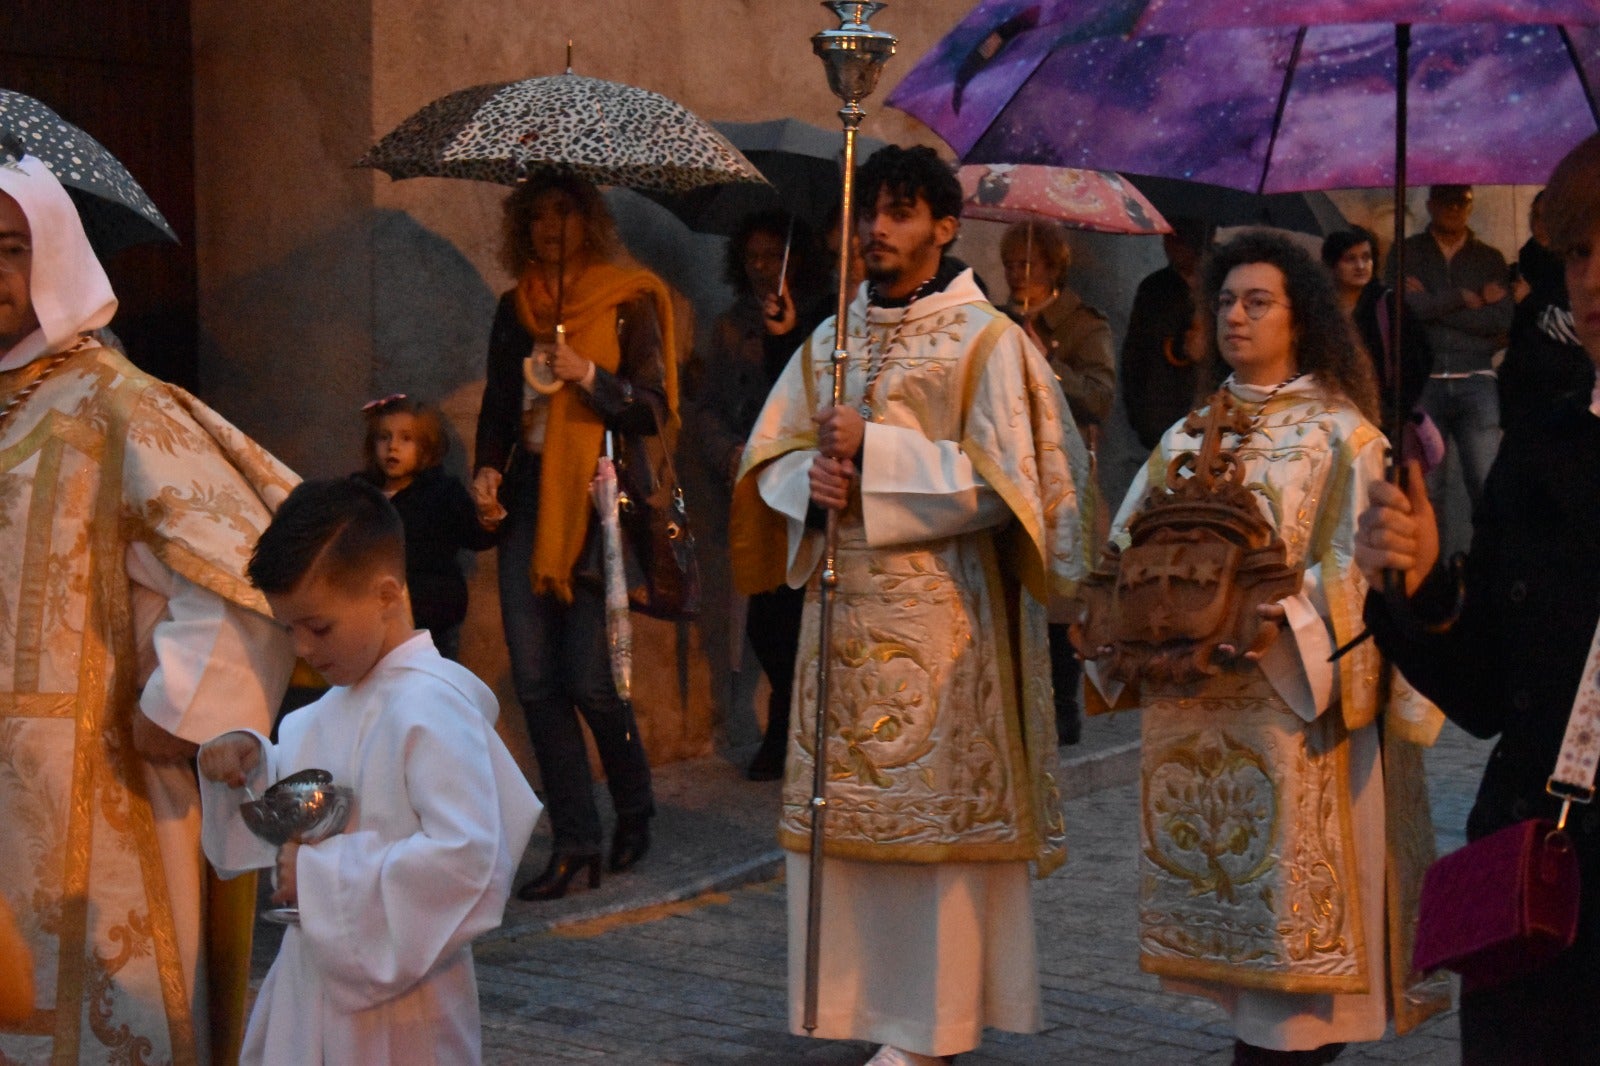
(1274, 108)
(1270, 95)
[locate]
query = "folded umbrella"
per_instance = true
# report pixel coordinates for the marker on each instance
(619, 625)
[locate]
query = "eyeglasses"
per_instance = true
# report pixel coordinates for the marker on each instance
(1257, 302)
(15, 255)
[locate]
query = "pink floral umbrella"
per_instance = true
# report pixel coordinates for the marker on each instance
(1096, 200)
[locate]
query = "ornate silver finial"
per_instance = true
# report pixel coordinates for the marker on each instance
(854, 53)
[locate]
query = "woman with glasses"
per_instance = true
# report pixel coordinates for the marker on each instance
(1280, 840)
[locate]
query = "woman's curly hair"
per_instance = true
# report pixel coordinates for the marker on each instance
(1324, 339)
(516, 241)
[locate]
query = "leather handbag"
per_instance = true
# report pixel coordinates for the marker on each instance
(1500, 908)
(665, 580)
(1507, 904)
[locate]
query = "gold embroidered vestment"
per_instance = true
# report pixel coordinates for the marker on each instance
(100, 457)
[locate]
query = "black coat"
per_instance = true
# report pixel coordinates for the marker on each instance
(1159, 383)
(1416, 361)
(1538, 368)
(440, 521)
(1510, 665)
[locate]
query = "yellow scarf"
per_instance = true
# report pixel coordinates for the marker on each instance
(575, 432)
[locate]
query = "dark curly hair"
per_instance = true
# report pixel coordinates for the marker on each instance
(516, 242)
(805, 251)
(1324, 339)
(908, 173)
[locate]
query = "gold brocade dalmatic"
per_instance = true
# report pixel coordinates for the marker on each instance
(1253, 861)
(941, 718)
(82, 868)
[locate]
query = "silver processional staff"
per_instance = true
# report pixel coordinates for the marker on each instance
(853, 56)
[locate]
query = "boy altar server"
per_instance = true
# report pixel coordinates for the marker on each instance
(379, 970)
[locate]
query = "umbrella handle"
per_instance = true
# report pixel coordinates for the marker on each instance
(537, 373)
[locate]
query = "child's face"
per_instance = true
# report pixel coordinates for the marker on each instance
(341, 632)
(396, 447)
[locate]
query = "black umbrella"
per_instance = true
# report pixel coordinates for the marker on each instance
(116, 212)
(1304, 212)
(800, 160)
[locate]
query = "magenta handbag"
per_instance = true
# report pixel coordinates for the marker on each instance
(1500, 908)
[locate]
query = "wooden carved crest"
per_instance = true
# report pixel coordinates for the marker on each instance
(1180, 604)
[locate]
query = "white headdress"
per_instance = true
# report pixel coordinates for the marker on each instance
(70, 291)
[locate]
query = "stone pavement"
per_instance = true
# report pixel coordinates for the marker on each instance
(682, 960)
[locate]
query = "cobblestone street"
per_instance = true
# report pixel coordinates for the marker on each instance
(702, 980)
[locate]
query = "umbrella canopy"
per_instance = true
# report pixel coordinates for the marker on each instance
(1287, 104)
(603, 131)
(800, 161)
(1083, 199)
(1304, 212)
(116, 212)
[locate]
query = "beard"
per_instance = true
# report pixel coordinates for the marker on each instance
(920, 261)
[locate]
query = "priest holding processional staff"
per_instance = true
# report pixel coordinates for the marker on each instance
(923, 484)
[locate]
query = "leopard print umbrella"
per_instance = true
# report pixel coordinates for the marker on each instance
(116, 212)
(608, 133)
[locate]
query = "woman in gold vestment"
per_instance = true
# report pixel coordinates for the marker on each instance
(1280, 843)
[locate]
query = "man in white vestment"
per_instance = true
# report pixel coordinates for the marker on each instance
(955, 473)
(128, 634)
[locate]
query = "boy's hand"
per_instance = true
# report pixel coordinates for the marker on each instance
(230, 758)
(287, 893)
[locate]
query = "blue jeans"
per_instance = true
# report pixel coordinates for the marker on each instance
(559, 660)
(1467, 412)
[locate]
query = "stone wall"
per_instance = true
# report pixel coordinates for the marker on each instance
(322, 285)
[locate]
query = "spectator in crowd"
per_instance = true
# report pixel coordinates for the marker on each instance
(1163, 353)
(751, 343)
(1544, 360)
(1076, 340)
(1460, 288)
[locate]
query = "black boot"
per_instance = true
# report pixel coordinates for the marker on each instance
(630, 842)
(768, 763)
(552, 884)
(1064, 677)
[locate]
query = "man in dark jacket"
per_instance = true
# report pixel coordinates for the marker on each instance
(1458, 286)
(1161, 369)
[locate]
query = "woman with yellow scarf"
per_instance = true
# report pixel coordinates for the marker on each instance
(549, 398)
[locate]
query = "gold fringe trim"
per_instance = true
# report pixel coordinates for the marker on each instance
(1223, 973)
